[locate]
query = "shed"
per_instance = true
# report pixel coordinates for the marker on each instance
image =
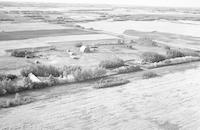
(33, 78)
(74, 57)
(85, 49)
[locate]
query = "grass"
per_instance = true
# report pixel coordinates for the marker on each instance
(16, 101)
(106, 83)
(112, 63)
(148, 75)
(152, 57)
(127, 69)
(41, 70)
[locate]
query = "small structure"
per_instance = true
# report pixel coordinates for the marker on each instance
(33, 78)
(85, 49)
(94, 48)
(74, 57)
(132, 41)
(121, 41)
(129, 46)
(37, 62)
(70, 53)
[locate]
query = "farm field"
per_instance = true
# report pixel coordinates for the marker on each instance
(13, 27)
(20, 35)
(179, 41)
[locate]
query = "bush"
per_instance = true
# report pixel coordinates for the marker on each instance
(41, 70)
(28, 84)
(52, 81)
(149, 75)
(174, 54)
(16, 101)
(113, 63)
(152, 57)
(2, 77)
(17, 53)
(127, 69)
(11, 76)
(191, 53)
(98, 72)
(21, 53)
(2, 91)
(70, 69)
(86, 74)
(7, 77)
(7, 87)
(78, 73)
(81, 74)
(145, 41)
(105, 83)
(173, 61)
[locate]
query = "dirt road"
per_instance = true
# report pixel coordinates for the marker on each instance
(171, 102)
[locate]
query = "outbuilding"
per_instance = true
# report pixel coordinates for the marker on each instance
(85, 49)
(33, 78)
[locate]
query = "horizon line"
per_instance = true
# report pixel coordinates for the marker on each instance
(119, 5)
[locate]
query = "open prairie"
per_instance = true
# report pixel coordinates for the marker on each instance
(74, 66)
